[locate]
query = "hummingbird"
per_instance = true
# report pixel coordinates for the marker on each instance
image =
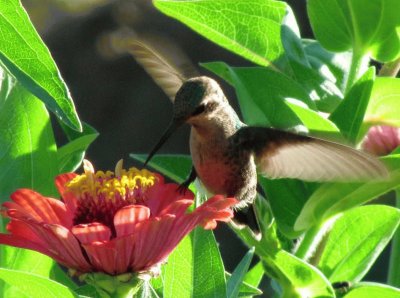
(227, 154)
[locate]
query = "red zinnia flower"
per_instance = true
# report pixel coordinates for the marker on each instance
(127, 221)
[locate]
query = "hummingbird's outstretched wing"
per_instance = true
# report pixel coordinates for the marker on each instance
(281, 154)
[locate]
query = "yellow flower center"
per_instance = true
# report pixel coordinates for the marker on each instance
(110, 185)
(101, 194)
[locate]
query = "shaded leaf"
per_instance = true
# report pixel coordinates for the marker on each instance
(264, 90)
(236, 279)
(176, 167)
(71, 154)
(349, 115)
(254, 275)
(366, 26)
(333, 66)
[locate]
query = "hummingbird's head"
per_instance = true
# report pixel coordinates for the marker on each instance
(198, 97)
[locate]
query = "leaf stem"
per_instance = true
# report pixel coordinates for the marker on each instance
(394, 267)
(390, 69)
(359, 62)
(308, 243)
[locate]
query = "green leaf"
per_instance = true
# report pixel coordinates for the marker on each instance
(195, 268)
(28, 159)
(246, 289)
(249, 28)
(349, 115)
(35, 286)
(333, 198)
(333, 66)
(265, 90)
(355, 241)
(254, 275)
(61, 276)
(369, 27)
(315, 122)
(71, 154)
(373, 290)
(23, 52)
(320, 89)
(384, 105)
(175, 167)
(237, 277)
(287, 198)
(297, 278)
(87, 291)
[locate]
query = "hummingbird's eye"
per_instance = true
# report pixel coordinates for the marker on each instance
(200, 109)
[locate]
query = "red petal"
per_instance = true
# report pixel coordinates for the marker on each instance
(126, 218)
(177, 208)
(161, 196)
(68, 197)
(40, 208)
(214, 209)
(113, 257)
(92, 232)
(103, 256)
(63, 243)
(151, 243)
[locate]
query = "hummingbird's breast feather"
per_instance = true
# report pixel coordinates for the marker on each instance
(222, 169)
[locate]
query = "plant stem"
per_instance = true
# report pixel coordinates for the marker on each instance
(309, 243)
(390, 69)
(394, 263)
(359, 61)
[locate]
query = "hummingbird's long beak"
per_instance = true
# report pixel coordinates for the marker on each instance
(170, 130)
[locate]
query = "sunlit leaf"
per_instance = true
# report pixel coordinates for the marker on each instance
(195, 268)
(333, 198)
(27, 159)
(23, 52)
(297, 278)
(355, 241)
(373, 290)
(384, 105)
(250, 28)
(35, 286)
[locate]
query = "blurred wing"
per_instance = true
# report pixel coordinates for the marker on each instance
(281, 154)
(163, 73)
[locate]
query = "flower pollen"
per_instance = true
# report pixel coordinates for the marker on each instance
(101, 194)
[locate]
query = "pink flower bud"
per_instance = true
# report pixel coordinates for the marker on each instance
(381, 140)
